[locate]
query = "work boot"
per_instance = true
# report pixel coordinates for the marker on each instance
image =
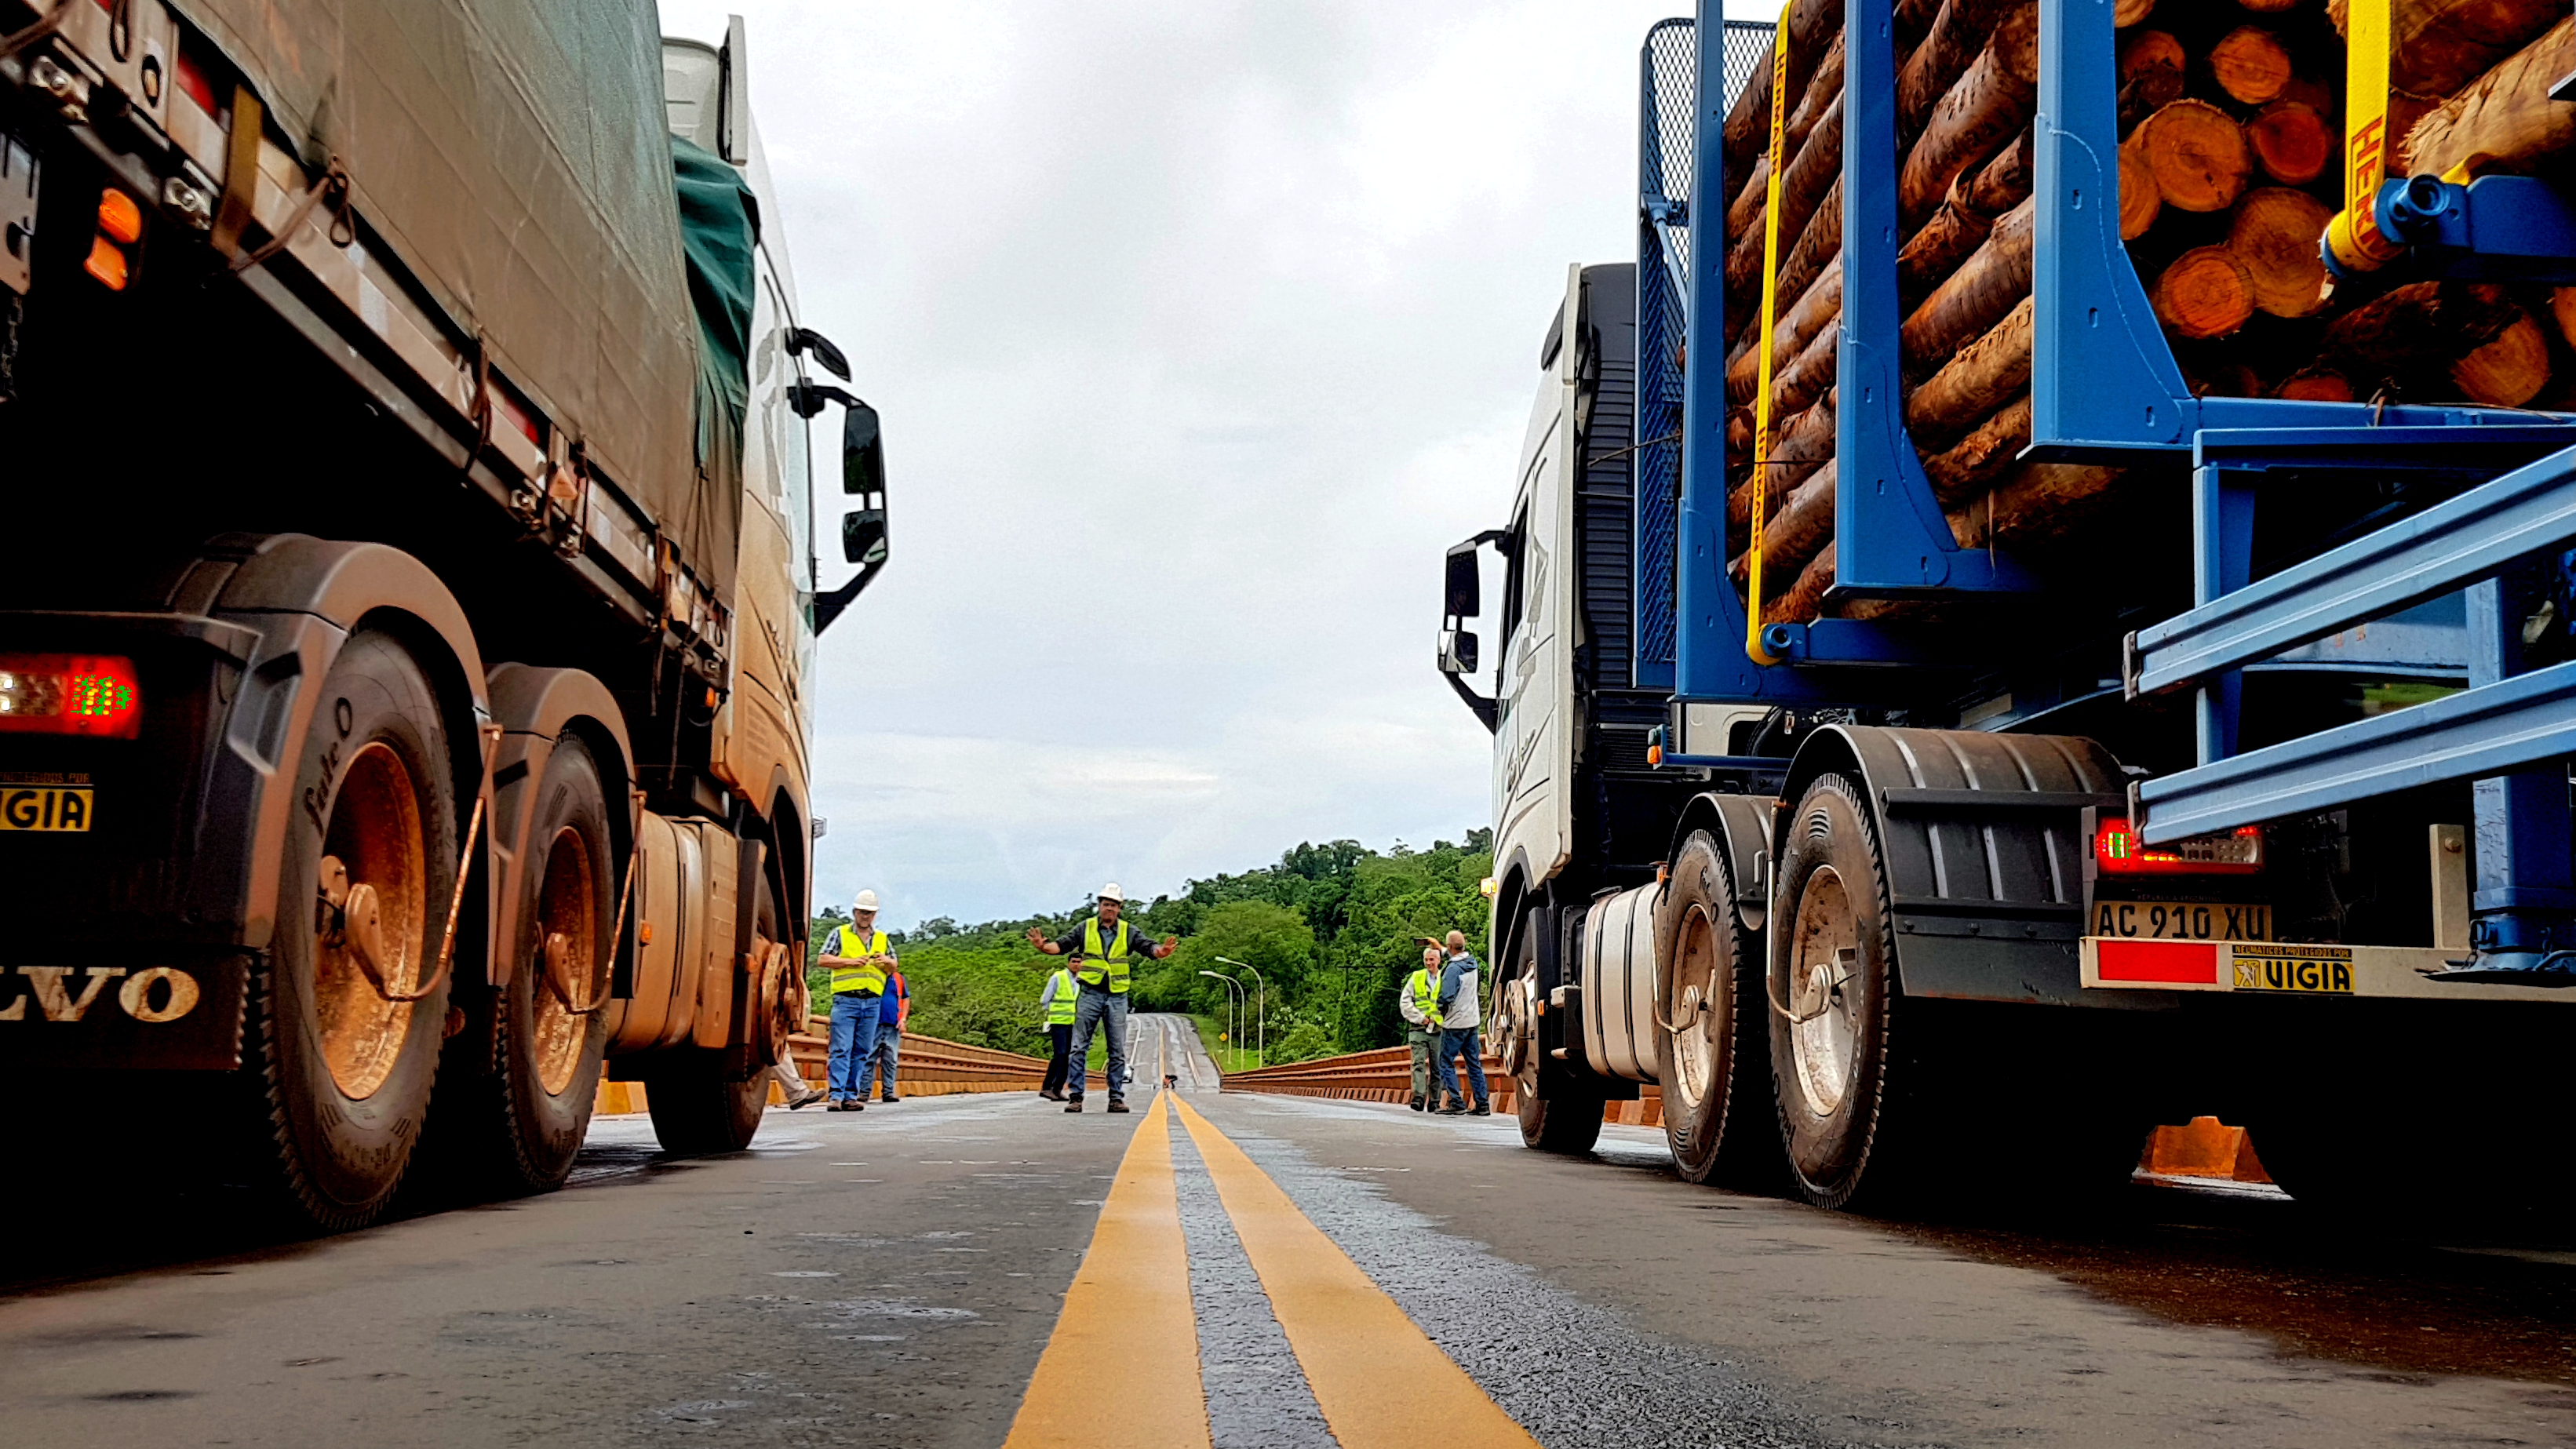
(1117, 1104)
(1415, 1104)
(1053, 1095)
(805, 1099)
(891, 1097)
(1483, 1109)
(1454, 1109)
(1075, 1105)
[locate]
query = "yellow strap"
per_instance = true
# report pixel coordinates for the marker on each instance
(2354, 233)
(1770, 301)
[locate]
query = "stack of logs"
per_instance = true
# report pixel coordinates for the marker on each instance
(2231, 131)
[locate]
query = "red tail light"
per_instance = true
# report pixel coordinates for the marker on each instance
(70, 694)
(2120, 852)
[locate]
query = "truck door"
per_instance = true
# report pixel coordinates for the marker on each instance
(1535, 682)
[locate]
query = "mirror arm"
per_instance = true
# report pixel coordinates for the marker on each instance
(831, 357)
(828, 605)
(1485, 709)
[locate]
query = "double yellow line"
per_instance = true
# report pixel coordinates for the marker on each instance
(1123, 1365)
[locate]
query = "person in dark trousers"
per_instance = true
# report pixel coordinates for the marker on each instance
(858, 957)
(1062, 994)
(1102, 942)
(1459, 1019)
(893, 1007)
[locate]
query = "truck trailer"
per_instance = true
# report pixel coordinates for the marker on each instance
(405, 661)
(2158, 427)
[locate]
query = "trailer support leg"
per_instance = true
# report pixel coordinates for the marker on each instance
(2522, 914)
(2222, 529)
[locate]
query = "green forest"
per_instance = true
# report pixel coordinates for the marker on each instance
(1330, 928)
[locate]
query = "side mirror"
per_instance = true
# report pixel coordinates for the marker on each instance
(863, 528)
(1457, 651)
(1463, 596)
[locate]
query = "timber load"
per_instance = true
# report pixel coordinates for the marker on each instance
(2231, 121)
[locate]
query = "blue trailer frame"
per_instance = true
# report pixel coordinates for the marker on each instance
(2106, 388)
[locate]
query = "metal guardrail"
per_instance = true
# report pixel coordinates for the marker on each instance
(1386, 1075)
(928, 1066)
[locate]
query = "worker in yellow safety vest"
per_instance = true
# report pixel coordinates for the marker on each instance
(858, 957)
(1058, 1002)
(1101, 941)
(1418, 1002)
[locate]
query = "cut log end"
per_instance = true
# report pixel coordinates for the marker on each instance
(2206, 292)
(2140, 200)
(2250, 64)
(2315, 384)
(2274, 233)
(2508, 371)
(2197, 154)
(2291, 141)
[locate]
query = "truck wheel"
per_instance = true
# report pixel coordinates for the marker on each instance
(1832, 998)
(531, 1101)
(340, 1075)
(1568, 1118)
(697, 1109)
(1717, 1109)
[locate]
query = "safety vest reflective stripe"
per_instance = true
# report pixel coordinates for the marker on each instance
(1426, 996)
(870, 979)
(1096, 957)
(1060, 1005)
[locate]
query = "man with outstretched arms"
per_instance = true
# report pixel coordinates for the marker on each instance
(1101, 942)
(1062, 994)
(858, 957)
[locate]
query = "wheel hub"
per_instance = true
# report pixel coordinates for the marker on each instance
(568, 927)
(373, 882)
(1824, 1031)
(1694, 971)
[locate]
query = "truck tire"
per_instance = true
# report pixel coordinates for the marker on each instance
(698, 1109)
(1718, 1112)
(1832, 1001)
(1558, 1111)
(339, 1076)
(527, 1104)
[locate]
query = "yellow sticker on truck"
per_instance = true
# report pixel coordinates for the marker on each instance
(2294, 970)
(44, 807)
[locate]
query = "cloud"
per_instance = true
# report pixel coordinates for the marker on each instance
(1200, 331)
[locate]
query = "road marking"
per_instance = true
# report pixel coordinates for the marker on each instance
(1381, 1382)
(1122, 1367)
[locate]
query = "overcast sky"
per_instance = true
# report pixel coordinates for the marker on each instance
(1200, 331)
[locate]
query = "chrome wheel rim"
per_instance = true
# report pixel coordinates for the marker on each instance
(1693, 1009)
(1824, 1031)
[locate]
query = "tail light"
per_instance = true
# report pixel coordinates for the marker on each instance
(2119, 851)
(70, 694)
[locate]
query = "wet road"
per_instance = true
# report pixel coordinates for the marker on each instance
(909, 1276)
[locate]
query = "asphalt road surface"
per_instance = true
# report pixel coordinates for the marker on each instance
(1261, 1271)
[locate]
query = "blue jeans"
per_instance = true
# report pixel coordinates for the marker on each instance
(889, 1056)
(1454, 1041)
(854, 1043)
(1087, 1014)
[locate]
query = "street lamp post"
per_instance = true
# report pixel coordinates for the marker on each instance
(1261, 1013)
(1233, 1001)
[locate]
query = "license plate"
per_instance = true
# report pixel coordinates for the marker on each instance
(44, 807)
(2181, 921)
(2298, 970)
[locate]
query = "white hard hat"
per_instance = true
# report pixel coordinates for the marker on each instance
(867, 901)
(1110, 892)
